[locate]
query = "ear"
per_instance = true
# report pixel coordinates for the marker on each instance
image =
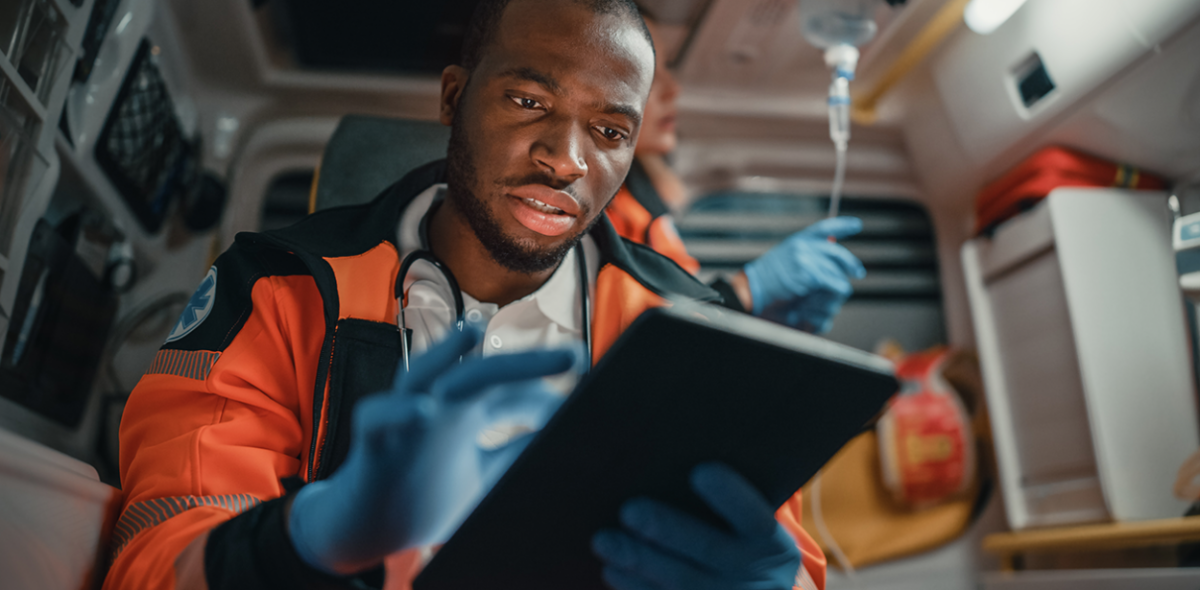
(454, 81)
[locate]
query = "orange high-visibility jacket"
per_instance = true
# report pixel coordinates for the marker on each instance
(640, 216)
(252, 395)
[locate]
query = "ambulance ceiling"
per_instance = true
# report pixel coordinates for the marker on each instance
(373, 35)
(752, 44)
(402, 37)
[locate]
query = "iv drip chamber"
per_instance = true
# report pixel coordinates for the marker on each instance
(827, 23)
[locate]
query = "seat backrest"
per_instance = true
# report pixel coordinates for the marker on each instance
(367, 154)
(55, 518)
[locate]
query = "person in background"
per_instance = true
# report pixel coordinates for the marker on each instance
(273, 443)
(801, 282)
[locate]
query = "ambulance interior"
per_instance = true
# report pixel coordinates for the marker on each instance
(1057, 337)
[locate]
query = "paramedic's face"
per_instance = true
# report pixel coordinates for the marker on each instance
(544, 132)
(658, 123)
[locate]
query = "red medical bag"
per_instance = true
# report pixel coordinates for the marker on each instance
(1030, 181)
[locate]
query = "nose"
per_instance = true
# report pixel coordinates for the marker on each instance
(670, 86)
(560, 151)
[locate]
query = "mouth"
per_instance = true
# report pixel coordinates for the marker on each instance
(543, 210)
(540, 206)
(543, 197)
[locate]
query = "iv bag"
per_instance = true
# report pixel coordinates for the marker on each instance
(826, 23)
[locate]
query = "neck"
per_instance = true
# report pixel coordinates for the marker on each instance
(479, 275)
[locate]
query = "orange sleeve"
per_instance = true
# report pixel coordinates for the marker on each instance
(813, 575)
(208, 434)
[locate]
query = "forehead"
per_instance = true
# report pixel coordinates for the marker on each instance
(582, 50)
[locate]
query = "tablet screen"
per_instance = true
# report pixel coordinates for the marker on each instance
(680, 387)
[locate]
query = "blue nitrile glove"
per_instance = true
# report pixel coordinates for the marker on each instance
(415, 469)
(662, 548)
(804, 280)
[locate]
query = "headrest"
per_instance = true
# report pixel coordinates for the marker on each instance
(367, 154)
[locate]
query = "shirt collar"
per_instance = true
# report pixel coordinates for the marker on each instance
(557, 299)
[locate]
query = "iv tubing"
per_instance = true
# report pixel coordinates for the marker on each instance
(839, 178)
(826, 536)
(842, 59)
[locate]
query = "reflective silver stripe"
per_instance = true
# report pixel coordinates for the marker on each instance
(140, 516)
(804, 580)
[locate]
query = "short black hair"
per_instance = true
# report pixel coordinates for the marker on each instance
(481, 30)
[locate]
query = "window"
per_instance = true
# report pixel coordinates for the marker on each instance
(286, 201)
(899, 299)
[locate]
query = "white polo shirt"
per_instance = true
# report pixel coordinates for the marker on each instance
(547, 318)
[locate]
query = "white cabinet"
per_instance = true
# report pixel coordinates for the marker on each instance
(1082, 341)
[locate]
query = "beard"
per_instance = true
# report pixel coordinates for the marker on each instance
(508, 251)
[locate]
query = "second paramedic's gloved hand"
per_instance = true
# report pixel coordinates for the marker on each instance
(415, 470)
(806, 275)
(661, 548)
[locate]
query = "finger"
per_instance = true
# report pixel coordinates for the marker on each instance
(846, 260)
(640, 560)
(475, 376)
(494, 462)
(391, 420)
(680, 533)
(824, 274)
(837, 227)
(431, 364)
(734, 498)
(526, 402)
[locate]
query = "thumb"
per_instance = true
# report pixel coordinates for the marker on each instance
(495, 462)
(837, 227)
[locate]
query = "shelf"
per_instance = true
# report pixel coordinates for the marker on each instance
(17, 82)
(1116, 535)
(66, 9)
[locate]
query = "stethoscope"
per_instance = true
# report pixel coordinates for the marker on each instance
(460, 307)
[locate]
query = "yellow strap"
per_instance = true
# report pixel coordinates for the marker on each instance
(1127, 176)
(947, 19)
(312, 191)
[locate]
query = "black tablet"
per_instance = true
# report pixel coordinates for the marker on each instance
(682, 386)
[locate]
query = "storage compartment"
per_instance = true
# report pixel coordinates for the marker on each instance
(59, 325)
(1047, 59)
(1082, 341)
(19, 164)
(41, 50)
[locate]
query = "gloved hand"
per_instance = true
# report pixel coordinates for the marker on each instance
(414, 470)
(804, 281)
(663, 548)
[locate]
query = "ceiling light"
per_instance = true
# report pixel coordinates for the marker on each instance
(985, 16)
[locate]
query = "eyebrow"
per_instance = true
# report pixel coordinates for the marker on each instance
(526, 73)
(621, 109)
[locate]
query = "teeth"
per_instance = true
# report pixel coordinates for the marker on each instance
(540, 206)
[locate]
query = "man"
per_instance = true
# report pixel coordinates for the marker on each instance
(802, 282)
(268, 374)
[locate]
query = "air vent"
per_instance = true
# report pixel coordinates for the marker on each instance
(901, 296)
(1033, 81)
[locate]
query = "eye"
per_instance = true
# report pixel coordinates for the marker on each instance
(526, 103)
(611, 134)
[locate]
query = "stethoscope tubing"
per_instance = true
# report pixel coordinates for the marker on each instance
(460, 307)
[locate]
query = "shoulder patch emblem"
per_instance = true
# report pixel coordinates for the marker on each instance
(197, 308)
